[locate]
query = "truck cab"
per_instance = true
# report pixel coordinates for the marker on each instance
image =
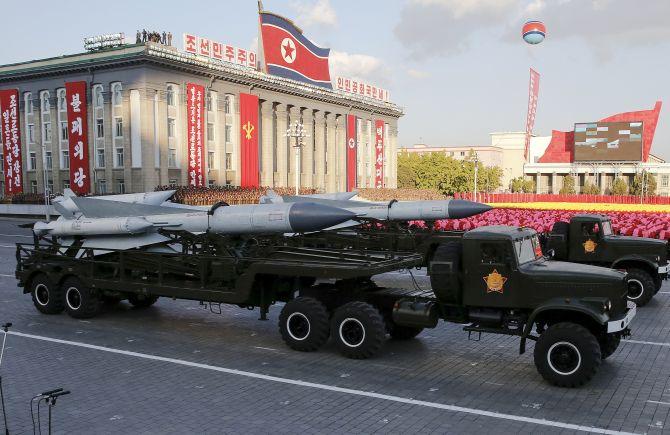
(589, 239)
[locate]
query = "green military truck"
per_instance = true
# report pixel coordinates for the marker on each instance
(588, 239)
(491, 280)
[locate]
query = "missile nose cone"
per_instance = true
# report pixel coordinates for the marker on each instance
(309, 216)
(461, 208)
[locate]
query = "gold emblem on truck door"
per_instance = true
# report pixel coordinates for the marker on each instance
(494, 282)
(589, 246)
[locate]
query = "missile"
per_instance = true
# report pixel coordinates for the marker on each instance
(92, 227)
(67, 208)
(271, 196)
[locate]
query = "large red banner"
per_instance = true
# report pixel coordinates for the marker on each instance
(248, 140)
(379, 154)
(351, 153)
(11, 139)
(195, 124)
(533, 90)
(80, 177)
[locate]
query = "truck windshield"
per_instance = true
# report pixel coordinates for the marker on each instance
(528, 249)
(607, 228)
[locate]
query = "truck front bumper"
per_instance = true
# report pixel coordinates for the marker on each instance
(621, 324)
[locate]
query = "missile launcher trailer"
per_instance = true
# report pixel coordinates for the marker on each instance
(492, 280)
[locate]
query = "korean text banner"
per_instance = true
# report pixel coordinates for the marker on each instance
(351, 153)
(249, 140)
(80, 177)
(533, 90)
(195, 123)
(379, 154)
(11, 141)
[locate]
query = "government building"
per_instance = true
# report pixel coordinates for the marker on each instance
(137, 123)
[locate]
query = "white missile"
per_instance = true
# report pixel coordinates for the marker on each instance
(67, 208)
(91, 227)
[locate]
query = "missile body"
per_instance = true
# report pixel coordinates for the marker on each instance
(92, 227)
(67, 208)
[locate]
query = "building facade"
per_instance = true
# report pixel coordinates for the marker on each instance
(137, 117)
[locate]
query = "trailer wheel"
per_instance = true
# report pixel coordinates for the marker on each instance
(141, 301)
(358, 329)
(567, 355)
(80, 301)
(47, 297)
(641, 286)
(303, 324)
(609, 343)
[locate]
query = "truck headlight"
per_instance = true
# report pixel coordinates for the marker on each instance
(607, 306)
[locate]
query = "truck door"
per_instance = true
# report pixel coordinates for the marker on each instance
(490, 275)
(586, 243)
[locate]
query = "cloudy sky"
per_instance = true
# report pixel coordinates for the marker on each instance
(459, 68)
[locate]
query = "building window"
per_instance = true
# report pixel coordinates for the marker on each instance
(62, 105)
(102, 186)
(121, 186)
(118, 127)
(65, 159)
(45, 105)
(50, 185)
(47, 132)
(211, 160)
(172, 182)
(172, 158)
(208, 102)
(32, 161)
(33, 186)
(665, 179)
(66, 184)
(98, 99)
(462, 153)
(99, 129)
(228, 104)
(28, 99)
(118, 157)
(31, 133)
(229, 161)
(48, 160)
(100, 158)
(171, 125)
(170, 96)
(117, 96)
(211, 183)
(229, 133)
(210, 132)
(63, 130)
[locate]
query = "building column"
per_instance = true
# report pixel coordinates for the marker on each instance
(294, 115)
(281, 177)
(319, 181)
(266, 143)
(331, 155)
(307, 151)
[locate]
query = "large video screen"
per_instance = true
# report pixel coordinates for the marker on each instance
(604, 141)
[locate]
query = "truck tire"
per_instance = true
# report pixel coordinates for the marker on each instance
(358, 330)
(303, 324)
(567, 355)
(609, 343)
(444, 270)
(641, 286)
(141, 301)
(80, 301)
(658, 283)
(47, 297)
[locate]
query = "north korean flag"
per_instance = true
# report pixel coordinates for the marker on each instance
(288, 53)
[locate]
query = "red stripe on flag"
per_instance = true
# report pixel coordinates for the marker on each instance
(351, 153)
(249, 140)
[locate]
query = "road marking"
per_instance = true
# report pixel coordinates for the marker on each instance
(16, 235)
(6, 274)
(653, 343)
(658, 403)
(350, 391)
(665, 293)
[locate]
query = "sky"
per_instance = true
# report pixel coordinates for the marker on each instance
(459, 68)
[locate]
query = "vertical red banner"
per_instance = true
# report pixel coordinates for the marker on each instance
(379, 153)
(249, 140)
(533, 90)
(352, 162)
(195, 124)
(80, 177)
(11, 140)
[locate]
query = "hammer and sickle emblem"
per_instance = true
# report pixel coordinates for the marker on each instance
(248, 129)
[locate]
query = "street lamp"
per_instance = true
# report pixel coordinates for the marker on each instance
(297, 131)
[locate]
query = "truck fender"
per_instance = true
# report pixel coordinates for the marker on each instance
(635, 259)
(584, 307)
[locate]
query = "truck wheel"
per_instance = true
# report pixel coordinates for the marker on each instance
(303, 324)
(80, 301)
(641, 287)
(47, 297)
(141, 301)
(358, 329)
(567, 355)
(609, 343)
(398, 332)
(658, 283)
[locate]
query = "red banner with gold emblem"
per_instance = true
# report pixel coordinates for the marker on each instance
(195, 124)
(248, 140)
(10, 132)
(80, 177)
(379, 154)
(351, 153)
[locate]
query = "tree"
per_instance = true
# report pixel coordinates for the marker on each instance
(568, 185)
(516, 185)
(528, 186)
(619, 187)
(590, 189)
(649, 184)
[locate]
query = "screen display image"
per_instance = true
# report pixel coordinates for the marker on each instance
(608, 141)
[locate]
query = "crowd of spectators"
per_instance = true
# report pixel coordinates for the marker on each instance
(232, 195)
(401, 194)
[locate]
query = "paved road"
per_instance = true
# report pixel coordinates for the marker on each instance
(177, 368)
